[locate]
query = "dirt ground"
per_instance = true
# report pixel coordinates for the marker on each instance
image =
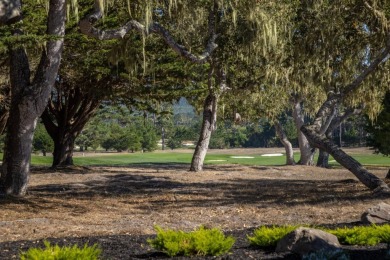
(79, 202)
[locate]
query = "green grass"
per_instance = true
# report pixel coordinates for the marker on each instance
(368, 159)
(185, 158)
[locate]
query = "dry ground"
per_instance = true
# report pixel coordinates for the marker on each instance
(107, 201)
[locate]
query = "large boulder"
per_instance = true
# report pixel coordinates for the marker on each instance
(306, 240)
(377, 214)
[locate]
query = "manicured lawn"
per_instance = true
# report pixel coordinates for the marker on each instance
(369, 159)
(185, 158)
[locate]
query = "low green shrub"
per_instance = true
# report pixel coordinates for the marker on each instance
(202, 241)
(269, 236)
(364, 235)
(327, 255)
(56, 252)
(384, 234)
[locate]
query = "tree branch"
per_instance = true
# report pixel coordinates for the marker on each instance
(86, 26)
(370, 69)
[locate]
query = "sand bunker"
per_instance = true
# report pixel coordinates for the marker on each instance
(242, 157)
(272, 154)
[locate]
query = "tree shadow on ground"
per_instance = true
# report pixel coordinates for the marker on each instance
(87, 169)
(169, 192)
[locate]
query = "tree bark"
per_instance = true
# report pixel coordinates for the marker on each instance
(5, 93)
(29, 100)
(162, 138)
(65, 116)
(367, 178)
(63, 151)
(330, 125)
(307, 153)
(323, 159)
(286, 143)
(208, 126)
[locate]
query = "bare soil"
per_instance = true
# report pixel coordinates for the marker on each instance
(117, 207)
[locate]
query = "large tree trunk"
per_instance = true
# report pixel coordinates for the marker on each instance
(208, 126)
(367, 178)
(68, 110)
(323, 159)
(29, 100)
(331, 123)
(307, 153)
(18, 143)
(286, 143)
(63, 151)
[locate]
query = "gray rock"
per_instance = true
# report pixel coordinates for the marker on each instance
(377, 214)
(305, 240)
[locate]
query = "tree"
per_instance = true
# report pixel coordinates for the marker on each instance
(286, 143)
(366, 74)
(68, 111)
(149, 138)
(214, 17)
(28, 97)
(380, 129)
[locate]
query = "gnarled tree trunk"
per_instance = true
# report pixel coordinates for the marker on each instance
(208, 126)
(286, 143)
(63, 151)
(321, 142)
(28, 100)
(65, 116)
(307, 153)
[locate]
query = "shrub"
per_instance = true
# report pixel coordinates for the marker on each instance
(269, 236)
(363, 235)
(367, 235)
(202, 241)
(62, 253)
(327, 255)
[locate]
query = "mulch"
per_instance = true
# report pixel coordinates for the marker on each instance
(136, 247)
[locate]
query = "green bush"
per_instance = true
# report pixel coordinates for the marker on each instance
(269, 236)
(363, 235)
(366, 235)
(202, 241)
(62, 253)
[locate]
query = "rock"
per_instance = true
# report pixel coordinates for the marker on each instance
(377, 214)
(305, 240)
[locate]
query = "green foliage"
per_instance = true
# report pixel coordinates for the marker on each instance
(42, 140)
(327, 255)
(361, 235)
(202, 241)
(269, 236)
(56, 252)
(366, 235)
(149, 138)
(380, 129)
